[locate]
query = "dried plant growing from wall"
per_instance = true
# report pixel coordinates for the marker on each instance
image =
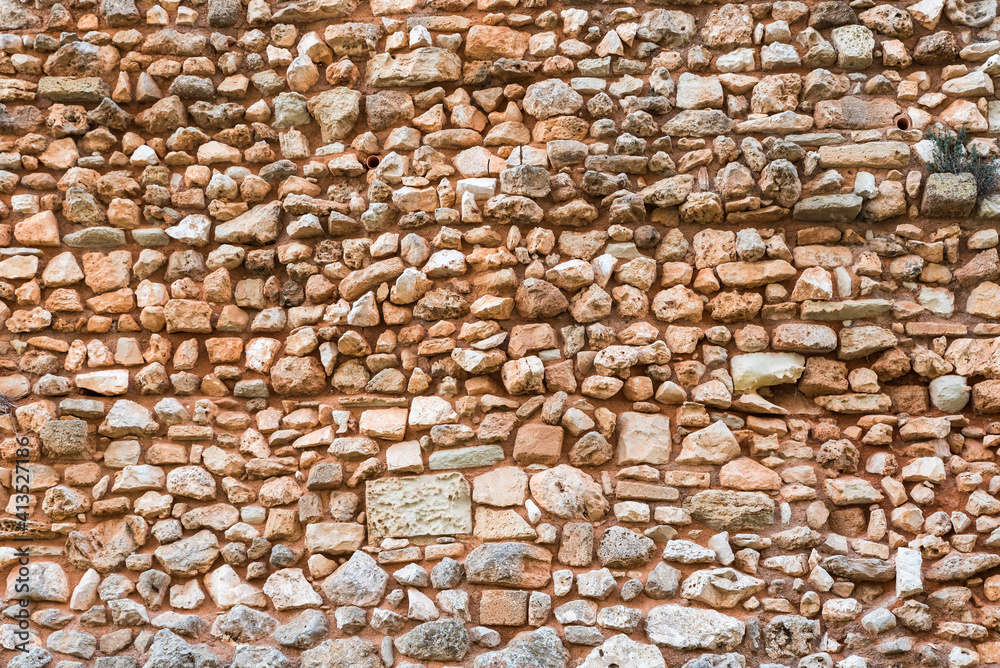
(952, 155)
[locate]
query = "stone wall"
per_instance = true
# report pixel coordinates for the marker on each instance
(511, 334)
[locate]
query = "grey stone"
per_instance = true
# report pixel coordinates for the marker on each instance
(65, 438)
(583, 635)
(249, 656)
(621, 548)
(730, 660)
(509, 564)
(445, 640)
(189, 556)
(45, 581)
(852, 113)
(720, 587)
(961, 567)
(106, 546)
(35, 657)
(173, 43)
(169, 650)
(620, 650)
(304, 630)
(419, 67)
(15, 16)
(95, 237)
(662, 582)
(336, 111)
(347, 653)
(74, 89)
(569, 493)
(360, 581)
(541, 648)
(551, 98)
(314, 10)
(790, 636)
(243, 625)
(75, 643)
(949, 196)
(682, 628)
(863, 569)
(446, 574)
(191, 626)
(113, 662)
(223, 13)
(698, 123)
(828, 208)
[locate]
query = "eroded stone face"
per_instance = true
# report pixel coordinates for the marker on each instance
(525, 334)
(681, 628)
(432, 505)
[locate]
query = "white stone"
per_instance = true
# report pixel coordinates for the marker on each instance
(620, 650)
(854, 45)
(85, 593)
(682, 628)
(950, 394)
(720, 587)
(108, 383)
(715, 444)
(429, 505)
(288, 589)
(192, 230)
(756, 370)
(643, 439)
(426, 412)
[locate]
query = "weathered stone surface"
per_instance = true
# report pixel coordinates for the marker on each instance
(336, 111)
(860, 569)
(948, 196)
(423, 66)
(342, 652)
(959, 567)
(720, 587)
(445, 640)
(874, 155)
(829, 208)
(106, 546)
(542, 648)
(620, 650)
(259, 226)
(732, 511)
(851, 113)
(508, 564)
(643, 439)
(189, 556)
(314, 10)
(294, 284)
(714, 444)
(168, 649)
(677, 627)
(569, 493)
(17, 17)
(621, 548)
(45, 581)
(432, 505)
(359, 581)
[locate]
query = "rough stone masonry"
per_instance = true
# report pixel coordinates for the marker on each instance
(499, 334)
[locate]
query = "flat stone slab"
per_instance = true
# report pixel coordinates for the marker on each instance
(427, 505)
